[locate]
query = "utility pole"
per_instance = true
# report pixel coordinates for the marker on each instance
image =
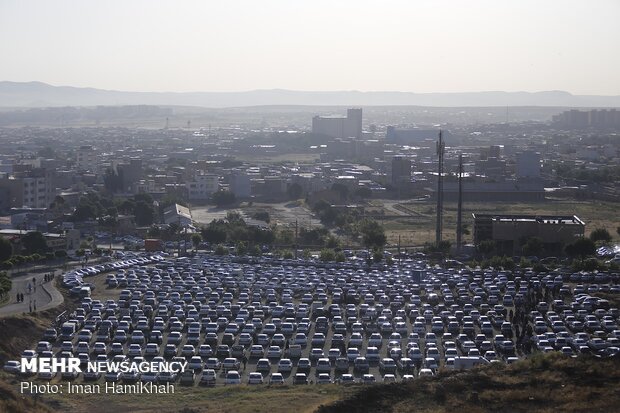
(399, 255)
(440, 152)
(459, 217)
(296, 239)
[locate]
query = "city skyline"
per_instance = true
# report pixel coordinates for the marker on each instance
(421, 46)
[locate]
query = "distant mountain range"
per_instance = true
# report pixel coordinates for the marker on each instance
(38, 94)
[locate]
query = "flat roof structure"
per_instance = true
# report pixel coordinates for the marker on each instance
(510, 232)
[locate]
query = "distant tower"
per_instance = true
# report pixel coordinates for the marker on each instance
(167, 123)
(441, 147)
(459, 217)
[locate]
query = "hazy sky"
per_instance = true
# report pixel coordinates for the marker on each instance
(231, 45)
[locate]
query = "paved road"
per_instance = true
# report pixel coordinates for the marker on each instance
(42, 295)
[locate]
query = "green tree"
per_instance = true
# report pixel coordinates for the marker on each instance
(600, 234)
(582, 248)
(220, 250)
(214, 234)
(6, 249)
(443, 247)
(223, 198)
(143, 197)
(108, 222)
(327, 255)
(241, 248)
(287, 255)
(373, 234)
(294, 191)
(34, 242)
(284, 236)
(377, 256)
(332, 242)
(340, 257)
(486, 247)
(262, 216)
(126, 206)
(618, 230)
(196, 240)
(5, 283)
(143, 213)
(84, 211)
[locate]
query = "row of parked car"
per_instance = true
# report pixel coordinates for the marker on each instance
(233, 321)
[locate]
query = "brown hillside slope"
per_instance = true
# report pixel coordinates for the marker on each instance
(544, 383)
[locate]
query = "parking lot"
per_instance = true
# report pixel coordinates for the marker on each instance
(298, 322)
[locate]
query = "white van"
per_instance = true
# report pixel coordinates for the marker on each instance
(464, 363)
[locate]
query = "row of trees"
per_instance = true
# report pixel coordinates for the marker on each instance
(234, 231)
(94, 207)
(5, 284)
(32, 243)
(352, 223)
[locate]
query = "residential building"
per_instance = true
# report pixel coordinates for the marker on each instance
(202, 186)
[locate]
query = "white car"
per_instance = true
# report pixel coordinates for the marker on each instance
(233, 377)
(255, 378)
(12, 366)
(285, 365)
(276, 378)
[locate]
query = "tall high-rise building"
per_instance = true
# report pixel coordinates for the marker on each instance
(87, 158)
(338, 126)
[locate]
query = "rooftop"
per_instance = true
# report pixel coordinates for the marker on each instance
(542, 219)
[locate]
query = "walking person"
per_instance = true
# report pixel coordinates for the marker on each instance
(30, 307)
(245, 361)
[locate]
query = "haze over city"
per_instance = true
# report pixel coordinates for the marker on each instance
(309, 206)
(412, 46)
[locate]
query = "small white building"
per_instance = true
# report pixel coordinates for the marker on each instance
(202, 186)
